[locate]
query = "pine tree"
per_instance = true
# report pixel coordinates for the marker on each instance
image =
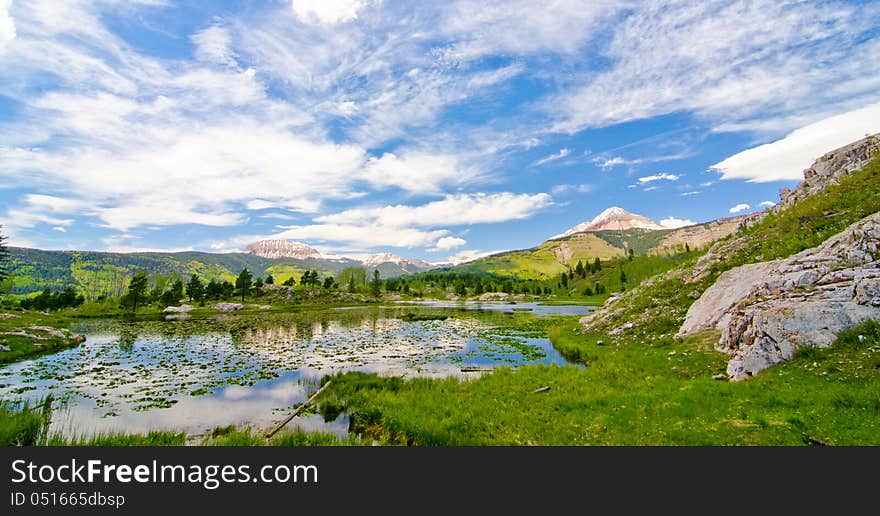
(597, 265)
(376, 284)
(270, 280)
(579, 269)
(137, 291)
(4, 257)
(243, 283)
(195, 289)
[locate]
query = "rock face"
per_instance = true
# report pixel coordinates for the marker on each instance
(228, 307)
(766, 311)
(830, 169)
(700, 235)
(178, 309)
(612, 218)
(282, 249)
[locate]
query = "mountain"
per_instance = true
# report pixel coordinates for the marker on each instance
(598, 239)
(613, 218)
(409, 266)
(282, 249)
(100, 273)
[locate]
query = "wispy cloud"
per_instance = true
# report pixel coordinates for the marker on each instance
(728, 61)
(553, 157)
(739, 208)
(659, 177)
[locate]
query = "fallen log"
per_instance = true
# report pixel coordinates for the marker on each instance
(298, 409)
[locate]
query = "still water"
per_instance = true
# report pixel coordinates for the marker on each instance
(249, 370)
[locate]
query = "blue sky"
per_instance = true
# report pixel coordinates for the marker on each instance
(433, 130)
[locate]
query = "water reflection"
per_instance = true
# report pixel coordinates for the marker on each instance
(195, 375)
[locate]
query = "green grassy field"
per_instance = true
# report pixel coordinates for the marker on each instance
(659, 394)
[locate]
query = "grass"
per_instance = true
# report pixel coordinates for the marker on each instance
(660, 394)
(23, 347)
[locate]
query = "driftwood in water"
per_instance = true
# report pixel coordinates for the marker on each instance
(298, 409)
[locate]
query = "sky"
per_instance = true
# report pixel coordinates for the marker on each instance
(432, 130)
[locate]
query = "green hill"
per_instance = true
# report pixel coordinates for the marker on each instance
(555, 256)
(101, 273)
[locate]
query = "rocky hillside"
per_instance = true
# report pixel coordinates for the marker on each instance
(282, 249)
(791, 280)
(767, 310)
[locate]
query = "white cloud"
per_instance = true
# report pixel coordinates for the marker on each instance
(521, 27)
(767, 204)
(7, 24)
(60, 229)
(741, 63)
(362, 236)
(553, 157)
(447, 243)
(214, 45)
(566, 188)
(675, 223)
(606, 163)
(688, 194)
(659, 177)
(740, 207)
(786, 159)
(328, 11)
(453, 210)
(417, 172)
(469, 255)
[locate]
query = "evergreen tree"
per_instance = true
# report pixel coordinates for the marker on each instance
(597, 265)
(270, 280)
(376, 284)
(195, 289)
(258, 283)
(4, 257)
(289, 282)
(630, 254)
(137, 291)
(213, 290)
(622, 276)
(579, 269)
(243, 283)
(687, 248)
(564, 281)
(173, 295)
(329, 282)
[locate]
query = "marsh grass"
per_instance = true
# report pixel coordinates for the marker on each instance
(659, 394)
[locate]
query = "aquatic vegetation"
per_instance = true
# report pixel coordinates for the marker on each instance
(137, 375)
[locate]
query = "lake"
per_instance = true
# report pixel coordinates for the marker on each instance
(197, 374)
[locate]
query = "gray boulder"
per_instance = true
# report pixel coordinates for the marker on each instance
(766, 311)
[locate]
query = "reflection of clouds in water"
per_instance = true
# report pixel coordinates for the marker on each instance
(258, 408)
(224, 372)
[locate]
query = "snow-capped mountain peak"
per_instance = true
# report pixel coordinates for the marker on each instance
(613, 218)
(378, 259)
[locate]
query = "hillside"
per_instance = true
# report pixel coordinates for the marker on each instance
(562, 254)
(101, 273)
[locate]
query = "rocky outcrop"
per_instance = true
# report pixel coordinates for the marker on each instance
(701, 235)
(282, 249)
(228, 307)
(830, 169)
(495, 296)
(182, 309)
(766, 311)
(563, 253)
